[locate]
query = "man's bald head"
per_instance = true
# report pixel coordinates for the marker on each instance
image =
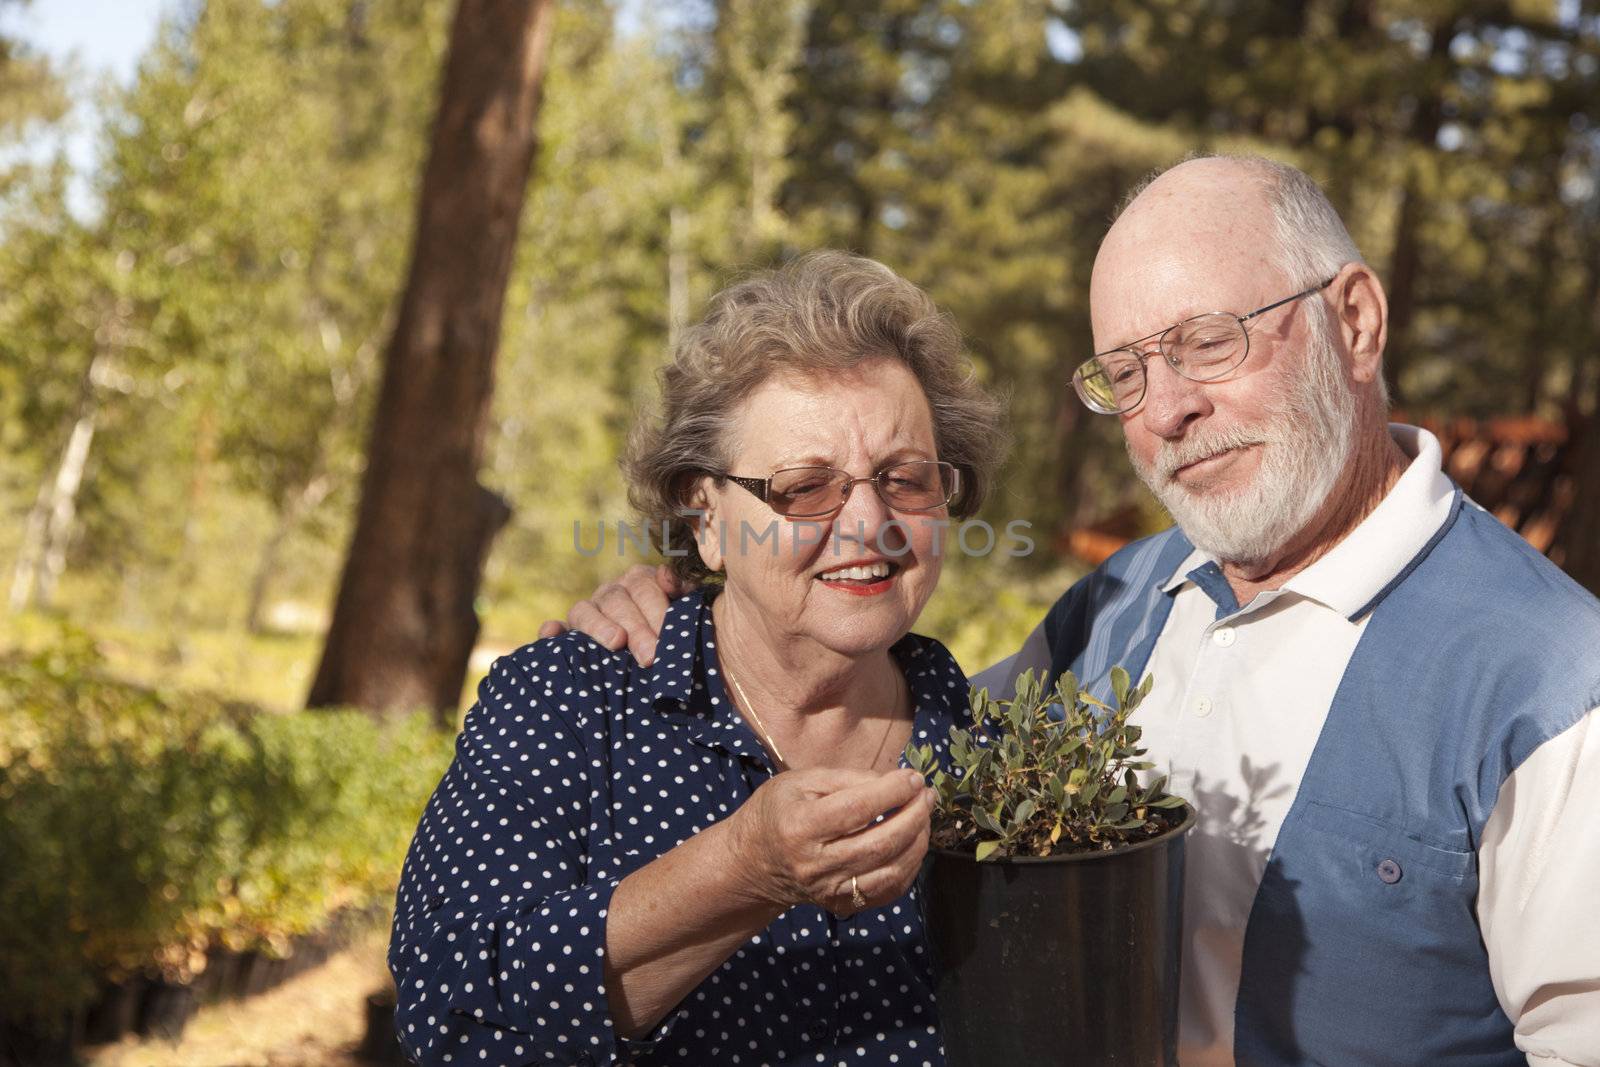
(1273, 211)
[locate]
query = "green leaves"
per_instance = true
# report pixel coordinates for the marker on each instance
(1052, 769)
(987, 821)
(1019, 817)
(191, 824)
(1119, 685)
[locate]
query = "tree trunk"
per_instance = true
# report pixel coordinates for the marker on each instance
(677, 232)
(1402, 291)
(43, 557)
(677, 274)
(25, 572)
(185, 609)
(1579, 539)
(404, 625)
(64, 506)
(763, 43)
(1405, 264)
(1536, 357)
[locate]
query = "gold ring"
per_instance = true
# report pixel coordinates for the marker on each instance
(857, 901)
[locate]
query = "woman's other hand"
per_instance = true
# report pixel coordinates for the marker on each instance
(804, 834)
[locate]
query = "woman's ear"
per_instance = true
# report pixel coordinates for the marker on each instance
(704, 501)
(1363, 313)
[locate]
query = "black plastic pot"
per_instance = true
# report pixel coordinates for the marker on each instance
(114, 1012)
(259, 973)
(380, 1044)
(217, 981)
(166, 1010)
(1059, 960)
(51, 1042)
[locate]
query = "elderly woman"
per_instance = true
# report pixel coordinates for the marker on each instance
(710, 860)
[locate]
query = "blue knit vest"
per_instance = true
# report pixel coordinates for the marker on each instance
(1362, 945)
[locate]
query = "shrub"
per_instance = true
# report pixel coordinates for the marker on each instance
(1049, 771)
(139, 828)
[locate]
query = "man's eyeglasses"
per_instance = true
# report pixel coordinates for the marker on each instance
(1202, 349)
(811, 492)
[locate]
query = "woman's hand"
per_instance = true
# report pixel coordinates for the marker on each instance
(804, 834)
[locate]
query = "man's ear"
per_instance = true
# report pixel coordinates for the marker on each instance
(704, 499)
(1362, 310)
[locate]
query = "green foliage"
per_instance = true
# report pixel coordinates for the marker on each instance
(1046, 772)
(141, 828)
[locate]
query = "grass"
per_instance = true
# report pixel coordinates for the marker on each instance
(272, 671)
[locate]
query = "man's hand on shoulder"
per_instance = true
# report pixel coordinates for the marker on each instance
(625, 613)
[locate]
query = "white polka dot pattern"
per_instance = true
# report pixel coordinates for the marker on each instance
(576, 767)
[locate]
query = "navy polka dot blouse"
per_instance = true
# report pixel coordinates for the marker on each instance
(577, 767)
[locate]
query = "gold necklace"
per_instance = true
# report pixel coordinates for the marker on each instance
(901, 683)
(751, 708)
(766, 735)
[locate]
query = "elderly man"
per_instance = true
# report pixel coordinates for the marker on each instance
(1383, 702)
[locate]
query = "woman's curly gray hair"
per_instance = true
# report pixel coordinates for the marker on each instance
(822, 312)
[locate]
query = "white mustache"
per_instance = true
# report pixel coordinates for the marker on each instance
(1178, 454)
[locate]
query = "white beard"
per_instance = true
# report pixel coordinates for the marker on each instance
(1306, 439)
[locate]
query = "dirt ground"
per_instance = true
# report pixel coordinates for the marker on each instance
(313, 1020)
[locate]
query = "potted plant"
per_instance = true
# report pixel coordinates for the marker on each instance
(1053, 886)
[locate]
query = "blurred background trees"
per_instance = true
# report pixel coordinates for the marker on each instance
(188, 376)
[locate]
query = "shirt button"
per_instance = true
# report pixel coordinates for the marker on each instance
(1202, 707)
(1223, 636)
(1389, 872)
(818, 1029)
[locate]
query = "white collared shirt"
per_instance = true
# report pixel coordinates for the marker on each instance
(1234, 714)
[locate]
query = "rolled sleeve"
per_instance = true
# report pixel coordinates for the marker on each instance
(499, 943)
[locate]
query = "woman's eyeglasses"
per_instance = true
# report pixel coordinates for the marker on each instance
(811, 492)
